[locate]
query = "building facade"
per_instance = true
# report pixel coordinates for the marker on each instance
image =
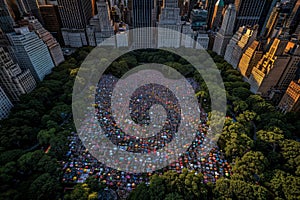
(226, 32)
(217, 16)
(169, 19)
(6, 19)
(32, 53)
(75, 16)
(13, 80)
(5, 104)
(290, 101)
(143, 12)
(101, 26)
(52, 21)
(53, 46)
(250, 58)
(276, 69)
(249, 12)
(239, 43)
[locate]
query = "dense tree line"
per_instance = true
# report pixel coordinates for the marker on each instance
(42, 119)
(257, 139)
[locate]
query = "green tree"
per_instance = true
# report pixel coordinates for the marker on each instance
(44, 187)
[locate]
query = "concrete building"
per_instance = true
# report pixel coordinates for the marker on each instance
(210, 7)
(294, 19)
(52, 21)
(143, 15)
(202, 41)
(226, 32)
(30, 7)
(188, 36)
(32, 53)
(13, 80)
(169, 19)
(53, 46)
(6, 18)
(267, 31)
(239, 43)
(250, 58)
(122, 38)
(5, 105)
(276, 69)
(290, 101)
(101, 26)
(75, 16)
(217, 15)
(249, 12)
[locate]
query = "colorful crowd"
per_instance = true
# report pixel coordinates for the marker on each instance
(80, 164)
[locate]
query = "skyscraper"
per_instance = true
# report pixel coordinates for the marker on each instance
(294, 19)
(291, 99)
(248, 12)
(226, 32)
(52, 21)
(268, 29)
(268, 16)
(217, 15)
(210, 7)
(53, 46)
(5, 104)
(75, 15)
(170, 19)
(30, 7)
(6, 19)
(32, 53)
(250, 58)
(239, 43)
(142, 17)
(101, 26)
(13, 80)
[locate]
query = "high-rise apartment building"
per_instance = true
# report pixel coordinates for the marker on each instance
(52, 21)
(101, 25)
(291, 99)
(53, 46)
(198, 19)
(250, 58)
(249, 12)
(269, 27)
(13, 80)
(269, 17)
(217, 15)
(226, 32)
(6, 19)
(5, 105)
(239, 43)
(30, 7)
(143, 17)
(210, 7)
(75, 16)
(169, 19)
(32, 53)
(294, 19)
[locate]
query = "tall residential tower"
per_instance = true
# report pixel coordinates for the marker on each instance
(226, 32)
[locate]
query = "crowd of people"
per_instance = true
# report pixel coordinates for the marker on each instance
(80, 163)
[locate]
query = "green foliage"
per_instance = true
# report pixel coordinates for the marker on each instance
(186, 185)
(36, 122)
(237, 189)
